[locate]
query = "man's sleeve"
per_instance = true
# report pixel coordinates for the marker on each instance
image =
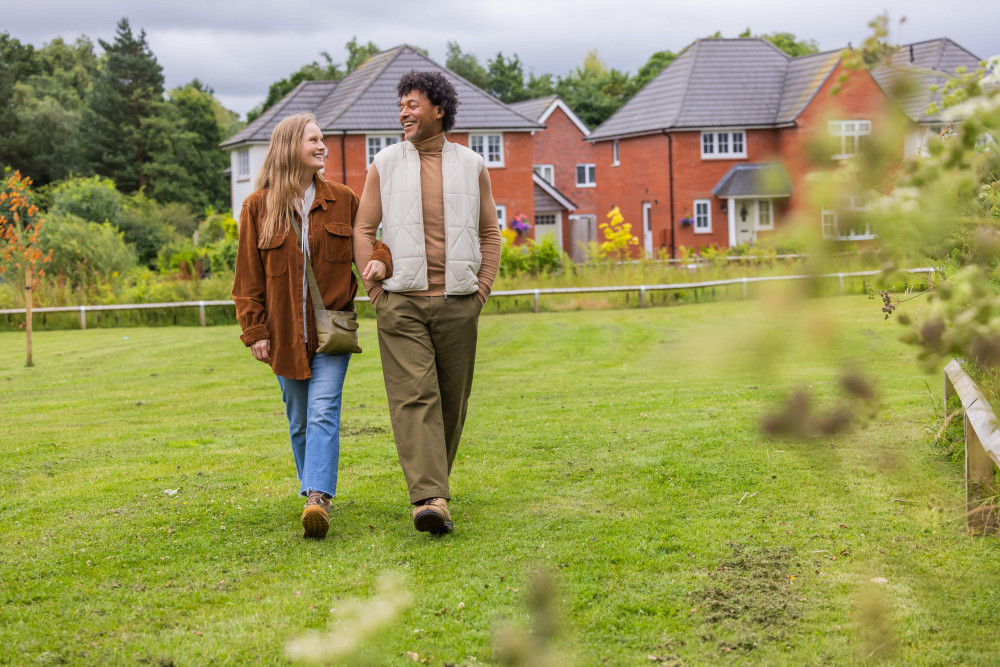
(366, 223)
(489, 236)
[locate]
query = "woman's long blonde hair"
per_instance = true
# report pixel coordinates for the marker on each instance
(282, 174)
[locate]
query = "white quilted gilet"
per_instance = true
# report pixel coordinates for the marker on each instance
(403, 221)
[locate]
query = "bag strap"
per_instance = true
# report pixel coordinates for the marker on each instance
(317, 296)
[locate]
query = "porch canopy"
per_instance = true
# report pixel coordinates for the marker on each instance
(757, 181)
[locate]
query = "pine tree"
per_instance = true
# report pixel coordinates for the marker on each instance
(127, 92)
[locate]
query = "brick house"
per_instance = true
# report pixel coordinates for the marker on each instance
(564, 160)
(359, 116)
(908, 77)
(715, 150)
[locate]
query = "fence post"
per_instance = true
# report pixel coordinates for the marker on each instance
(83, 317)
(642, 296)
(201, 312)
(744, 287)
(841, 276)
(978, 479)
(536, 300)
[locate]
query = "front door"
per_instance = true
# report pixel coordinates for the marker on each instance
(647, 227)
(746, 218)
(583, 230)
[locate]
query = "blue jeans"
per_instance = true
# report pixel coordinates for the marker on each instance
(313, 410)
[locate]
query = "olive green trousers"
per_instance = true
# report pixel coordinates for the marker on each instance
(428, 350)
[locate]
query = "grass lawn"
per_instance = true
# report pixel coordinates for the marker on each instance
(616, 452)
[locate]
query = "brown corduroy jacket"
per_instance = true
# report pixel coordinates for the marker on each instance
(268, 286)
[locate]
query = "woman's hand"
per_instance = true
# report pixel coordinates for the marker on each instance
(262, 350)
(375, 270)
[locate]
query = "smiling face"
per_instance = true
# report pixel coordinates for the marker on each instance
(312, 150)
(420, 119)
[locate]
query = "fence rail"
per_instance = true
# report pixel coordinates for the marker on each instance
(643, 290)
(982, 445)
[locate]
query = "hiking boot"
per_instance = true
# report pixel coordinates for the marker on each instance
(432, 516)
(316, 515)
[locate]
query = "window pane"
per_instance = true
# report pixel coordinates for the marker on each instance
(493, 141)
(764, 213)
(707, 145)
(737, 142)
(389, 141)
(592, 174)
(581, 174)
(476, 144)
(723, 142)
(849, 148)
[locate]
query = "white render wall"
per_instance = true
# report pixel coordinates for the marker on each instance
(242, 187)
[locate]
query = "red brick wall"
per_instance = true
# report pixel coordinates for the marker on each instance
(561, 144)
(643, 174)
(858, 98)
(512, 184)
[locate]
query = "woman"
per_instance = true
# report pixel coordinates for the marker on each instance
(273, 305)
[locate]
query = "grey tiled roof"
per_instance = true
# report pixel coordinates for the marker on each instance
(307, 96)
(803, 79)
(909, 73)
(534, 108)
(366, 100)
(713, 83)
(767, 179)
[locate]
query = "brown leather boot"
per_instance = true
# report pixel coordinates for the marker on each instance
(432, 516)
(316, 515)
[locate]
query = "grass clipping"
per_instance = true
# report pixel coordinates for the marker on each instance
(751, 598)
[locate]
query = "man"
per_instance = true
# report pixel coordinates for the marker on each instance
(436, 208)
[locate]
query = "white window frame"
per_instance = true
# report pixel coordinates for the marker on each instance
(484, 145)
(849, 133)
(721, 144)
(831, 227)
(706, 215)
(502, 216)
(542, 169)
(615, 155)
(243, 164)
(378, 142)
(590, 175)
(770, 214)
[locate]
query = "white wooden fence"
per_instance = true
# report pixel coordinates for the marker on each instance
(982, 445)
(642, 290)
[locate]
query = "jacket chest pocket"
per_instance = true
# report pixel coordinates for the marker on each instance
(337, 240)
(275, 255)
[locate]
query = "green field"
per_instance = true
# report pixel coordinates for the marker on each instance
(617, 453)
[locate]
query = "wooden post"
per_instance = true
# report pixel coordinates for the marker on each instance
(536, 300)
(83, 317)
(978, 479)
(642, 296)
(201, 312)
(27, 311)
(744, 287)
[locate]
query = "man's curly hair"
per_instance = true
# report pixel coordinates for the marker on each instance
(438, 90)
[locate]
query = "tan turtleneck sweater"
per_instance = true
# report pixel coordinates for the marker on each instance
(369, 217)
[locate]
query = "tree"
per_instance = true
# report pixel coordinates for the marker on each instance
(787, 42)
(467, 66)
(198, 111)
(594, 91)
(127, 92)
(47, 103)
(507, 79)
(21, 249)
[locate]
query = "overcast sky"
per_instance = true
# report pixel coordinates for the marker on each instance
(240, 48)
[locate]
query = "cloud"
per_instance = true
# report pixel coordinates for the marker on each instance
(240, 48)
